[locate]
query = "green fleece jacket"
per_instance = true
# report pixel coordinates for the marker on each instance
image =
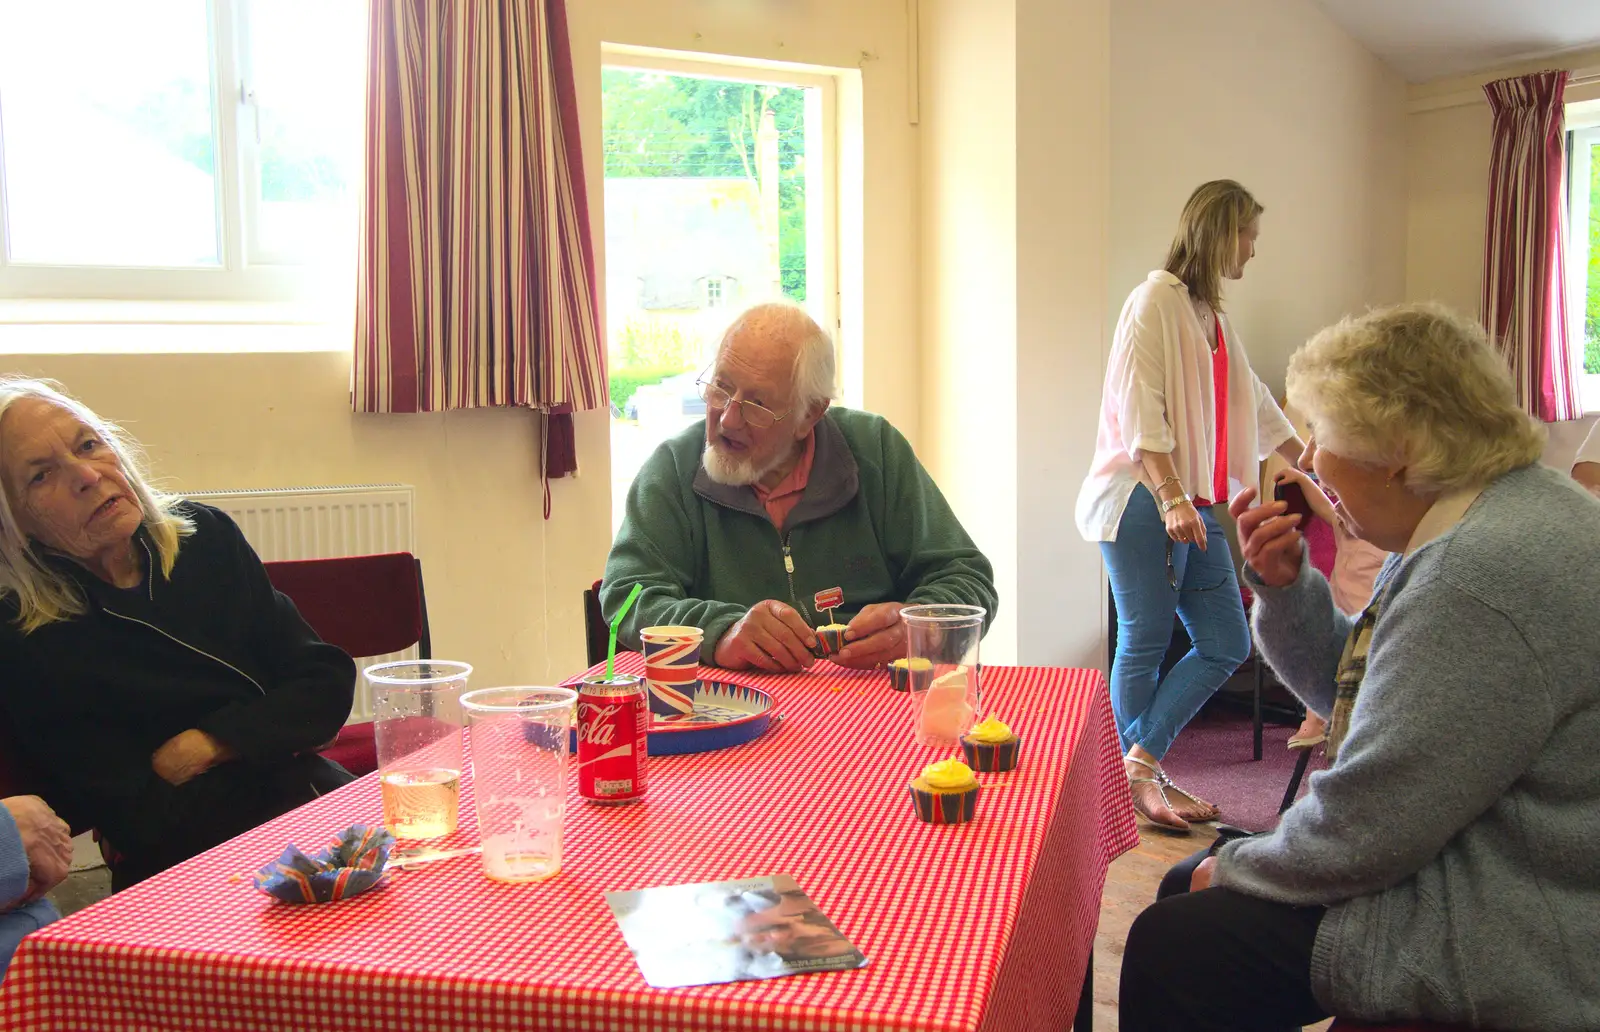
(871, 521)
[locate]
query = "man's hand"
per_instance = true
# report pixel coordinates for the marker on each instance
(187, 755)
(46, 839)
(1201, 879)
(771, 637)
(875, 637)
(1270, 541)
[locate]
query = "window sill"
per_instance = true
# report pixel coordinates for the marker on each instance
(41, 327)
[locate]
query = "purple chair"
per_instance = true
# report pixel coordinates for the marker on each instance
(367, 605)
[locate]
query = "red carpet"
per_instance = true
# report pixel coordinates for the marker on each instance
(1212, 759)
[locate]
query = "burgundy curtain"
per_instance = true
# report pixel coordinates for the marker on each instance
(1524, 279)
(477, 284)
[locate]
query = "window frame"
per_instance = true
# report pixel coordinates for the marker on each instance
(1583, 134)
(822, 139)
(243, 274)
(824, 123)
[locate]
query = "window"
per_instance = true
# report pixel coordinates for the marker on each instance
(1583, 245)
(717, 197)
(179, 149)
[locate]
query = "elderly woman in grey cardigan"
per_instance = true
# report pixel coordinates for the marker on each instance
(1443, 867)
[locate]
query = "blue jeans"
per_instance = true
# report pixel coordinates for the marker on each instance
(1201, 589)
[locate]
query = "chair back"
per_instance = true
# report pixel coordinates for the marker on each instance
(367, 605)
(596, 633)
(1341, 1025)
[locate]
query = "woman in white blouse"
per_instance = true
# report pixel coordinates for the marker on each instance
(1184, 424)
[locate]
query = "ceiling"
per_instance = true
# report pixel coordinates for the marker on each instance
(1431, 39)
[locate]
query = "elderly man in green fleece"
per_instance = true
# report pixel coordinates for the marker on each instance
(735, 527)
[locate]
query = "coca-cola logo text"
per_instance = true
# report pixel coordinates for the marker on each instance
(595, 723)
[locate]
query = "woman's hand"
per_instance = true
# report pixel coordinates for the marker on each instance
(1184, 524)
(187, 755)
(1271, 542)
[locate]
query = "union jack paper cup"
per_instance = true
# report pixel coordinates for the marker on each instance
(671, 668)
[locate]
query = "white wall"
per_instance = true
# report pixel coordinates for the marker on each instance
(1120, 110)
(504, 586)
(1275, 95)
(968, 158)
(1014, 178)
(1447, 199)
(1065, 165)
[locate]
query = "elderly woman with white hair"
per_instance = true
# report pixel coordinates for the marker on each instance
(155, 683)
(1443, 867)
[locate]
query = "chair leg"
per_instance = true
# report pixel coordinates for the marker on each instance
(1294, 782)
(1083, 1021)
(1255, 657)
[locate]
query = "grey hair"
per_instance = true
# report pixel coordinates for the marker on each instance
(815, 367)
(1417, 385)
(815, 374)
(43, 593)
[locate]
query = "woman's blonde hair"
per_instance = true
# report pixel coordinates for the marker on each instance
(1415, 385)
(1207, 242)
(43, 593)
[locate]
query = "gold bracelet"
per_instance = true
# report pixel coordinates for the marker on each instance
(1170, 480)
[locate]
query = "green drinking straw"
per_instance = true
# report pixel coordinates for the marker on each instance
(616, 622)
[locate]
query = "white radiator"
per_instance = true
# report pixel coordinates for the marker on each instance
(324, 523)
(319, 522)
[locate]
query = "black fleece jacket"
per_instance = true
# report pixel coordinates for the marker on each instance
(215, 647)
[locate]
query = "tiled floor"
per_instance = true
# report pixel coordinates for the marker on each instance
(80, 889)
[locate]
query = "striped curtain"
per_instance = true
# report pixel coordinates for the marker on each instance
(477, 285)
(1524, 279)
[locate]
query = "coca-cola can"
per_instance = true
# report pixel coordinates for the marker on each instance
(613, 739)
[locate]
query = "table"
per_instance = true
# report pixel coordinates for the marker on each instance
(986, 925)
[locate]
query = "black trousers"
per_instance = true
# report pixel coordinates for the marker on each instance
(1218, 960)
(253, 801)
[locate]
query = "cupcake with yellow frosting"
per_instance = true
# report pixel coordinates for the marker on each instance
(830, 639)
(946, 793)
(991, 747)
(910, 675)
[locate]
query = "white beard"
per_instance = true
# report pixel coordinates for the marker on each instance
(724, 469)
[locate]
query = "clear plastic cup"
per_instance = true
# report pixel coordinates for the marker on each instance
(947, 636)
(417, 720)
(519, 745)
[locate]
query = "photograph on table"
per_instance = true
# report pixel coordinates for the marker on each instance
(732, 931)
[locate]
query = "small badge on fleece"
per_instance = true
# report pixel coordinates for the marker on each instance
(830, 636)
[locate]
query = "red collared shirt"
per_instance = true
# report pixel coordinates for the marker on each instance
(780, 499)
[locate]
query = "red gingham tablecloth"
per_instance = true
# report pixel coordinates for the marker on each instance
(986, 925)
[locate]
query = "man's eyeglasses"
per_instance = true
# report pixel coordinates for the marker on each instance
(758, 416)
